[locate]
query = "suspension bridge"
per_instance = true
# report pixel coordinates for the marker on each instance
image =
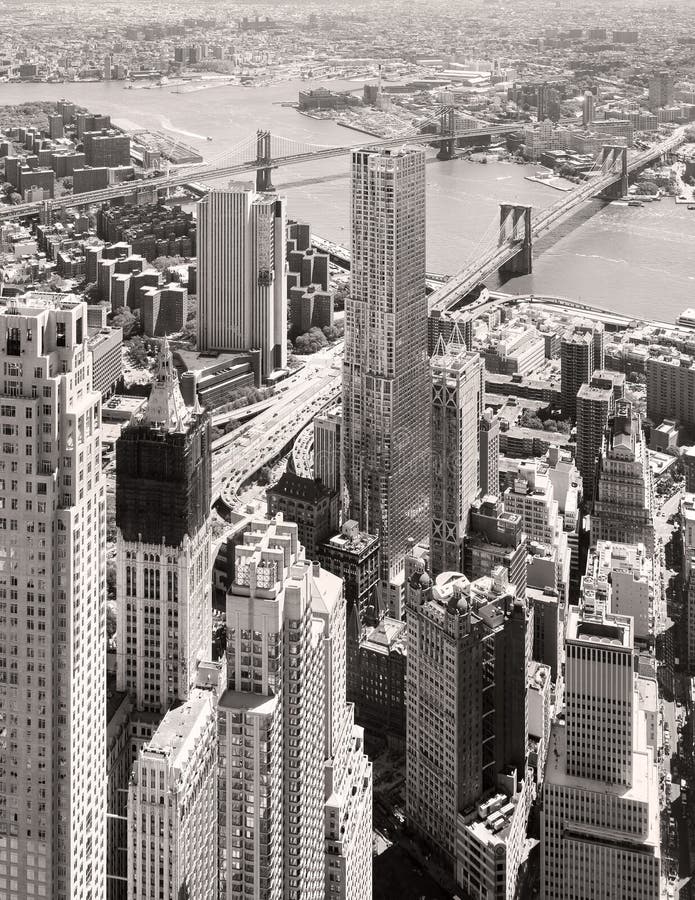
(263, 152)
(509, 251)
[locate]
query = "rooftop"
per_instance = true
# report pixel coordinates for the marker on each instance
(176, 737)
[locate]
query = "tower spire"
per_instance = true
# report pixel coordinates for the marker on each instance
(166, 406)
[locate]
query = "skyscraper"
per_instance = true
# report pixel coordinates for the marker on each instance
(172, 806)
(470, 727)
(327, 448)
(600, 812)
(660, 90)
(489, 430)
(163, 546)
(456, 410)
(576, 366)
(588, 108)
(242, 288)
(294, 782)
(385, 370)
(52, 607)
(623, 508)
(593, 408)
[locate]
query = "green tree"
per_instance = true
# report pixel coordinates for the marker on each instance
(137, 351)
(311, 342)
(128, 320)
(167, 262)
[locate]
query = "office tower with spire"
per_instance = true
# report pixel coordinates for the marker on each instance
(600, 812)
(242, 288)
(385, 369)
(52, 607)
(456, 411)
(623, 509)
(294, 782)
(164, 581)
(467, 729)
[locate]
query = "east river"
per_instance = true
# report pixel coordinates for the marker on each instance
(638, 261)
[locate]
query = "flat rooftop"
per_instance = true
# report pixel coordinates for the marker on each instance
(599, 628)
(176, 735)
(243, 701)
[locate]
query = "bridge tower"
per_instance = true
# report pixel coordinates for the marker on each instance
(515, 225)
(614, 159)
(263, 155)
(447, 125)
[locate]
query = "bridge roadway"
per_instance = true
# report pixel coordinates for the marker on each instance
(239, 455)
(458, 286)
(217, 171)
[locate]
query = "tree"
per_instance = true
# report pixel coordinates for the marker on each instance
(15, 198)
(333, 332)
(137, 351)
(128, 320)
(311, 342)
(265, 474)
(649, 188)
(530, 420)
(167, 262)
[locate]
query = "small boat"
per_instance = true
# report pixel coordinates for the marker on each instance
(208, 138)
(691, 206)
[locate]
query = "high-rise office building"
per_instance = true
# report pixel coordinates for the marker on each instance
(294, 782)
(661, 90)
(327, 449)
(456, 411)
(593, 409)
(600, 813)
(52, 607)
(385, 369)
(164, 577)
(172, 806)
(576, 367)
(623, 509)
(466, 732)
(242, 288)
(588, 108)
(489, 431)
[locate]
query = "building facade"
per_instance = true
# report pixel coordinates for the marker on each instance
(52, 607)
(172, 806)
(470, 727)
(385, 376)
(623, 508)
(293, 780)
(242, 290)
(600, 813)
(456, 411)
(164, 580)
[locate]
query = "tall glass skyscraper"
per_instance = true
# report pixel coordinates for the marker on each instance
(385, 371)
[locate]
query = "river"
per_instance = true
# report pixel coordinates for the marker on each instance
(632, 260)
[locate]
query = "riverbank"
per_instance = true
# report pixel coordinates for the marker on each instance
(554, 182)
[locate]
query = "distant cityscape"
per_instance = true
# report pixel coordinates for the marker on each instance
(324, 575)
